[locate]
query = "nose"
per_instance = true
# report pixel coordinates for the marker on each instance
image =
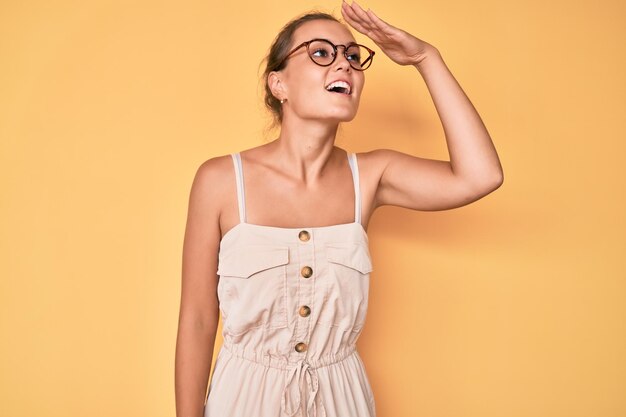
(341, 60)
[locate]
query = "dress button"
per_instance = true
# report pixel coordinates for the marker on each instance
(304, 311)
(301, 347)
(306, 271)
(304, 236)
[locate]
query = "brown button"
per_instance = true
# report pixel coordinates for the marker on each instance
(304, 311)
(304, 236)
(301, 347)
(306, 271)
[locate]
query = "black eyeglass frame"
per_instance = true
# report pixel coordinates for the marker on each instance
(368, 61)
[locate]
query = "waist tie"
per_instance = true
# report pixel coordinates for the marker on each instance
(301, 377)
(299, 373)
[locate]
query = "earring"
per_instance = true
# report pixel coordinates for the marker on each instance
(282, 100)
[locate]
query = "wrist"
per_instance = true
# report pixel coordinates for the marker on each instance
(430, 54)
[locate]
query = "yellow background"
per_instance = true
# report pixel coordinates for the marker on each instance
(512, 306)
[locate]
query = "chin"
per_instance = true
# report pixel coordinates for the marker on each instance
(343, 116)
(334, 114)
(347, 119)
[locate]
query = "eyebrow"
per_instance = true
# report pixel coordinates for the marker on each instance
(346, 44)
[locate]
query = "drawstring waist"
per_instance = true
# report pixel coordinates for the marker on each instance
(302, 372)
(300, 377)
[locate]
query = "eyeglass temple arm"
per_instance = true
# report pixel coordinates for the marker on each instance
(369, 58)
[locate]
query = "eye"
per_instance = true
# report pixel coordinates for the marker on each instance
(354, 57)
(320, 52)
(354, 53)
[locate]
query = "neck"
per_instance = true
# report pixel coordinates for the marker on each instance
(307, 146)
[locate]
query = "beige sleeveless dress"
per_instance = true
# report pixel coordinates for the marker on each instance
(293, 304)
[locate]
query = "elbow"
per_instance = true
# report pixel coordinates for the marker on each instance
(497, 180)
(493, 183)
(487, 185)
(492, 179)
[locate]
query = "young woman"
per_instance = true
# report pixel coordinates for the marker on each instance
(276, 235)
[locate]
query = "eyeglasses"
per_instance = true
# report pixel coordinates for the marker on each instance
(323, 52)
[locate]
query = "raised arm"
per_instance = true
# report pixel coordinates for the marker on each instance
(199, 310)
(474, 169)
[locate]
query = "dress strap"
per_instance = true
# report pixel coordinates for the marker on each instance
(354, 166)
(241, 198)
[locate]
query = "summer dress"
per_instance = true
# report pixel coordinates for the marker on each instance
(293, 304)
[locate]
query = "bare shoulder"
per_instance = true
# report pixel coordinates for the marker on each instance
(211, 186)
(372, 165)
(382, 156)
(213, 169)
(210, 174)
(374, 160)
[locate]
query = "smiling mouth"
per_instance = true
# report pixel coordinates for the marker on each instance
(340, 87)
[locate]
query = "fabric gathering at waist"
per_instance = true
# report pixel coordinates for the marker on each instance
(280, 362)
(300, 377)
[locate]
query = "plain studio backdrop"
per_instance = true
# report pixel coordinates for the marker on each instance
(510, 307)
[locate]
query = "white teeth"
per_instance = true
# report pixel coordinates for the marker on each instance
(342, 84)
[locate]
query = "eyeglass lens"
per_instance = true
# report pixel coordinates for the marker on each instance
(323, 53)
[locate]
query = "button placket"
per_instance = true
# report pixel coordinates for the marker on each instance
(305, 292)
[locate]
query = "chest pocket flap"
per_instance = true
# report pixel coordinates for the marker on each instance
(353, 255)
(244, 261)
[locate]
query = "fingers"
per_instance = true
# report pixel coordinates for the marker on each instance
(362, 16)
(352, 18)
(380, 23)
(362, 21)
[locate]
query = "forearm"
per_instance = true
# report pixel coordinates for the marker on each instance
(194, 354)
(473, 157)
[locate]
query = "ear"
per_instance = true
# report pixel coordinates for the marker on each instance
(276, 85)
